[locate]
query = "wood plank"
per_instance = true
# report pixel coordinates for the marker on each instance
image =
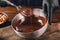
(12, 11)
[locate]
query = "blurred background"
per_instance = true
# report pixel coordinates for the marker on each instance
(28, 2)
(6, 32)
(34, 3)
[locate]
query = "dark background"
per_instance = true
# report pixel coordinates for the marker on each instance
(59, 2)
(28, 2)
(23, 2)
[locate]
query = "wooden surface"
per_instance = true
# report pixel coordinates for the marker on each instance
(52, 33)
(11, 11)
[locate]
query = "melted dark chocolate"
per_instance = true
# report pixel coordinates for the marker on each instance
(30, 24)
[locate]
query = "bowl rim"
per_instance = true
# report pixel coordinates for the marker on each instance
(33, 31)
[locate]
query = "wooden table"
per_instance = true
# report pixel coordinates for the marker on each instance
(11, 11)
(52, 33)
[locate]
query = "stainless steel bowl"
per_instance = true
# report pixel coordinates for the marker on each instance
(35, 34)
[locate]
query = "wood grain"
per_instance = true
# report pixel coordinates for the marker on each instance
(11, 11)
(52, 33)
(56, 15)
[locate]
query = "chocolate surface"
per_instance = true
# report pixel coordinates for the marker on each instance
(30, 24)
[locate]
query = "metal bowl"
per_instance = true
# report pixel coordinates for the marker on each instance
(34, 34)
